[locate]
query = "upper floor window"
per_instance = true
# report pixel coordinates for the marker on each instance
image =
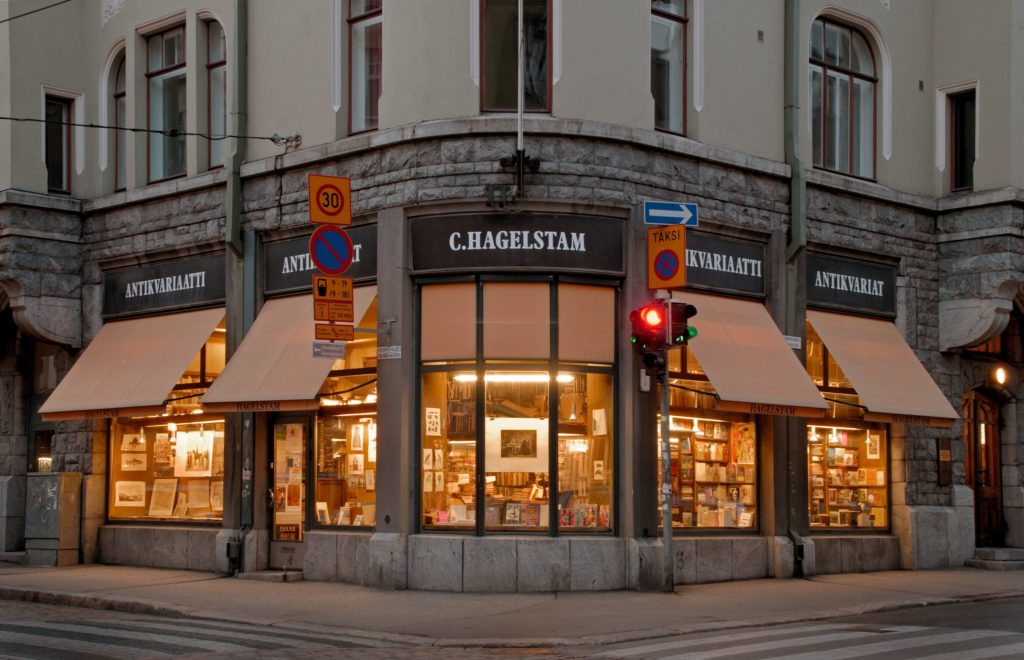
(843, 82)
(217, 112)
(58, 144)
(120, 110)
(500, 55)
(668, 64)
(962, 109)
(166, 73)
(365, 63)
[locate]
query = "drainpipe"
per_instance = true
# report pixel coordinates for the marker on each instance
(242, 278)
(795, 245)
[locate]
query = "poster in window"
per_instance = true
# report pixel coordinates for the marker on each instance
(133, 462)
(516, 444)
(371, 479)
(371, 443)
(600, 422)
(130, 493)
(162, 502)
(874, 446)
(428, 481)
(598, 470)
(218, 454)
(217, 495)
(293, 497)
(163, 455)
(322, 515)
(193, 454)
(355, 464)
(743, 442)
(439, 481)
(199, 493)
(428, 459)
(433, 422)
(357, 437)
(133, 442)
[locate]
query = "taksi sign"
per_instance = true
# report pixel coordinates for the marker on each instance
(666, 257)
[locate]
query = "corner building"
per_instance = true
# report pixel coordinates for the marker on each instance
(847, 405)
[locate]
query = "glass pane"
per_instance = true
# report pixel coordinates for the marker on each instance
(837, 45)
(154, 62)
(162, 470)
(667, 73)
(517, 320)
(217, 48)
(289, 481)
(838, 126)
(174, 47)
(366, 73)
(863, 62)
(500, 55)
(963, 106)
(516, 450)
(817, 104)
(218, 113)
(713, 472)
(677, 7)
(448, 321)
(586, 323)
(119, 138)
(56, 145)
(346, 467)
(448, 451)
(360, 7)
(585, 451)
(846, 471)
(863, 128)
(815, 355)
(119, 79)
(167, 112)
(817, 40)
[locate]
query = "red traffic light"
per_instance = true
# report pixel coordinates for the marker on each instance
(653, 317)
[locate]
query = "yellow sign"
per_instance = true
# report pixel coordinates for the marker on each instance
(666, 257)
(327, 310)
(333, 289)
(330, 200)
(325, 332)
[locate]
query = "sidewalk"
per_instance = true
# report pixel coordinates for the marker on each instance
(447, 619)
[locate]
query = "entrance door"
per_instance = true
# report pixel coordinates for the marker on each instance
(288, 476)
(983, 466)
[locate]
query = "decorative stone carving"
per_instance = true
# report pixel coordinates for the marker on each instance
(972, 321)
(47, 318)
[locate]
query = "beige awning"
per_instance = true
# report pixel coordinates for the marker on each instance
(747, 359)
(883, 370)
(274, 368)
(131, 366)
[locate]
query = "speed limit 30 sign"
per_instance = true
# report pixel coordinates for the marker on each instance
(329, 200)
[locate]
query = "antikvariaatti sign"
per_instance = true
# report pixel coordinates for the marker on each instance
(724, 264)
(168, 285)
(848, 284)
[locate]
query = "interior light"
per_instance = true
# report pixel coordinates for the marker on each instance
(330, 402)
(172, 427)
(696, 428)
(354, 402)
(535, 377)
(371, 398)
(1000, 374)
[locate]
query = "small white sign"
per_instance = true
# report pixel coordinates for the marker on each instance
(389, 352)
(331, 350)
(794, 342)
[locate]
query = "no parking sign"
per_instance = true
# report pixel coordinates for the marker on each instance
(666, 257)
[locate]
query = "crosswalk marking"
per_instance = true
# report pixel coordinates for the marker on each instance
(899, 645)
(990, 652)
(127, 638)
(78, 646)
(269, 639)
(804, 640)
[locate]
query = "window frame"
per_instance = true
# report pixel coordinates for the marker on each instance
(549, 50)
(366, 17)
(962, 179)
(66, 105)
(684, 21)
(852, 76)
(120, 160)
(211, 66)
(162, 72)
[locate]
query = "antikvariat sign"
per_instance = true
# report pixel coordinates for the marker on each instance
(848, 284)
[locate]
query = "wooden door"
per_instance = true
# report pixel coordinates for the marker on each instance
(983, 467)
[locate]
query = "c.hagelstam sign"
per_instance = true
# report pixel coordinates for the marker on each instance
(666, 257)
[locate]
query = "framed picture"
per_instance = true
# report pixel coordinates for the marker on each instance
(130, 493)
(199, 493)
(439, 481)
(428, 459)
(874, 448)
(519, 443)
(323, 517)
(516, 444)
(217, 495)
(598, 470)
(356, 464)
(133, 462)
(133, 442)
(371, 479)
(162, 501)
(513, 513)
(432, 425)
(357, 437)
(193, 455)
(833, 496)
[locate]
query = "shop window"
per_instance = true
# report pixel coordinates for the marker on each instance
(167, 104)
(448, 330)
(822, 367)
(668, 64)
(366, 63)
(120, 114)
(847, 477)
(516, 444)
(171, 467)
(842, 89)
(346, 432)
(216, 110)
(963, 149)
(58, 144)
(500, 55)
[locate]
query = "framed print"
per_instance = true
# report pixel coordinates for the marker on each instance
(133, 462)
(133, 442)
(371, 479)
(199, 493)
(217, 495)
(193, 456)
(833, 498)
(293, 497)
(428, 481)
(600, 422)
(358, 430)
(163, 456)
(428, 459)
(598, 470)
(356, 465)
(162, 501)
(874, 449)
(432, 426)
(516, 444)
(218, 454)
(519, 443)
(371, 443)
(130, 493)
(323, 517)
(743, 441)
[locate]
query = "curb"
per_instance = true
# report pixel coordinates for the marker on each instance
(147, 607)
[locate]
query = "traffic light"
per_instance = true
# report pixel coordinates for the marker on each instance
(649, 335)
(679, 329)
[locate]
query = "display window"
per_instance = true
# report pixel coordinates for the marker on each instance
(713, 454)
(847, 458)
(346, 434)
(513, 440)
(171, 466)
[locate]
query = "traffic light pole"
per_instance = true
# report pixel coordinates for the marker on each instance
(666, 484)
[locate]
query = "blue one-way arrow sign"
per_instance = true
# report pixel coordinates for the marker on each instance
(670, 213)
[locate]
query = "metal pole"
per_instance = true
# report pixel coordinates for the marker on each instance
(666, 483)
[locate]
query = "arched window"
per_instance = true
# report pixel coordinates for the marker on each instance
(842, 90)
(120, 112)
(217, 109)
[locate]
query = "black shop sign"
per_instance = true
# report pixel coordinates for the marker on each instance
(518, 241)
(851, 285)
(723, 264)
(169, 285)
(287, 267)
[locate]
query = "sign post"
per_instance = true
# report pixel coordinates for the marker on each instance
(331, 251)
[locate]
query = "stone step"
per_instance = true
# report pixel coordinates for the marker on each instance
(14, 557)
(996, 565)
(1000, 554)
(272, 576)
